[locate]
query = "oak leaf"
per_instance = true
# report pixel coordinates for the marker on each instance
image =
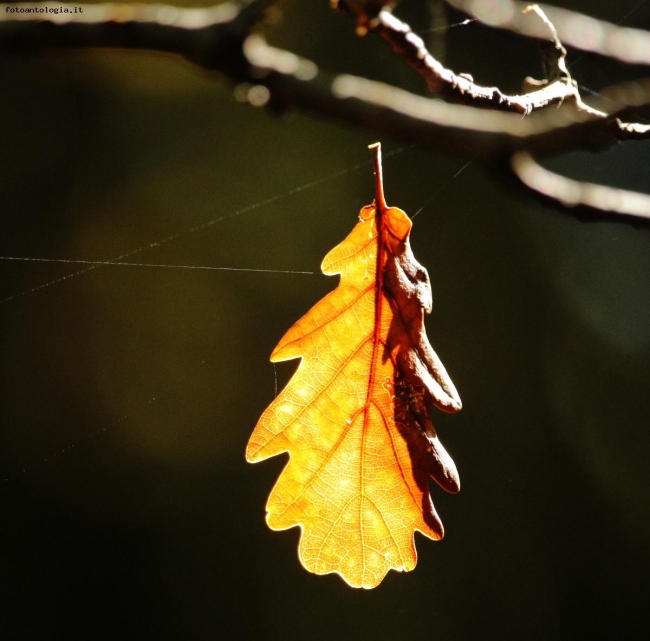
(355, 417)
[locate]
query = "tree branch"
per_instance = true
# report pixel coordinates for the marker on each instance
(631, 46)
(461, 88)
(295, 82)
(218, 38)
(579, 196)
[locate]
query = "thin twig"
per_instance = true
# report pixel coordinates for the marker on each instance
(631, 46)
(459, 87)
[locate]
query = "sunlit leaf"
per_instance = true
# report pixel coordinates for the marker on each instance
(355, 417)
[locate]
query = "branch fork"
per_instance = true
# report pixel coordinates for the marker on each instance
(475, 120)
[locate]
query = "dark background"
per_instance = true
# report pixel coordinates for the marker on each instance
(128, 393)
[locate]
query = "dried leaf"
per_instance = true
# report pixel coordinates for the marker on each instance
(355, 416)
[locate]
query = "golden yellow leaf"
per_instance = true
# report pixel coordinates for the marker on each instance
(355, 416)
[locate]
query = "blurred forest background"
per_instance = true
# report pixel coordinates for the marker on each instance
(128, 393)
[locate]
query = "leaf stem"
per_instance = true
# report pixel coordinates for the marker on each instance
(380, 201)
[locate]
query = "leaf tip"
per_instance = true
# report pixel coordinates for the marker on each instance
(252, 453)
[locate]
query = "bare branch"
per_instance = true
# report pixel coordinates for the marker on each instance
(444, 82)
(219, 38)
(574, 194)
(295, 82)
(486, 134)
(558, 88)
(210, 37)
(574, 29)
